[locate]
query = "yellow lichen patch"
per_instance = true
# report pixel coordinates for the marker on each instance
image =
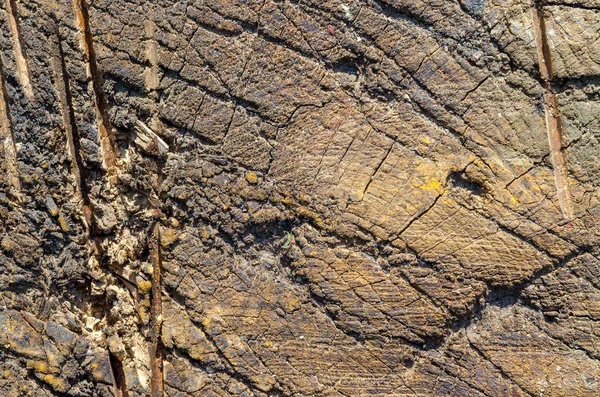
(54, 210)
(144, 311)
(204, 233)
(292, 305)
(223, 273)
(212, 314)
(183, 195)
(63, 224)
(168, 236)
(53, 359)
(263, 382)
(288, 200)
(39, 366)
(304, 198)
(57, 383)
(433, 185)
(302, 211)
(478, 163)
(426, 140)
(429, 176)
(145, 286)
(116, 347)
(251, 177)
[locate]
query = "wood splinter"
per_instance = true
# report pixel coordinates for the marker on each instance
(148, 140)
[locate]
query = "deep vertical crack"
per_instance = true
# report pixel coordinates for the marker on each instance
(19, 48)
(7, 136)
(554, 124)
(107, 138)
(118, 375)
(63, 88)
(156, 348)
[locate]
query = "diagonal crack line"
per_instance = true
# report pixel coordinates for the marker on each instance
(232, 373)
(534, 165)
(513, 233)
(420, 215)
(568, 344)
(470, 384)
(499, 368)
(377, 170)
(472, 90)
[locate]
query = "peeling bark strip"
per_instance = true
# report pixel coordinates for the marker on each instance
(156, 351)
(106, 131)
(19, 48)
(7, 136)
(554, 124)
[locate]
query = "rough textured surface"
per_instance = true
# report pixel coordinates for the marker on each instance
(299, 198)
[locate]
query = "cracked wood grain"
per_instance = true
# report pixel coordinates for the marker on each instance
(554, 124)
(270, 284)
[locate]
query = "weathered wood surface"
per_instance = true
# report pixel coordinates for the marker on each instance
(299, 198)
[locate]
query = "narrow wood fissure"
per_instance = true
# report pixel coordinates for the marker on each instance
(8, 138)
(554, 125)
(118, 375)
(79, 172)
(156, 349)
(19, 48)
(68, 112)
(107, 138)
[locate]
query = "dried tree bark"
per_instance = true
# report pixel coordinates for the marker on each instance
(299, 198)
